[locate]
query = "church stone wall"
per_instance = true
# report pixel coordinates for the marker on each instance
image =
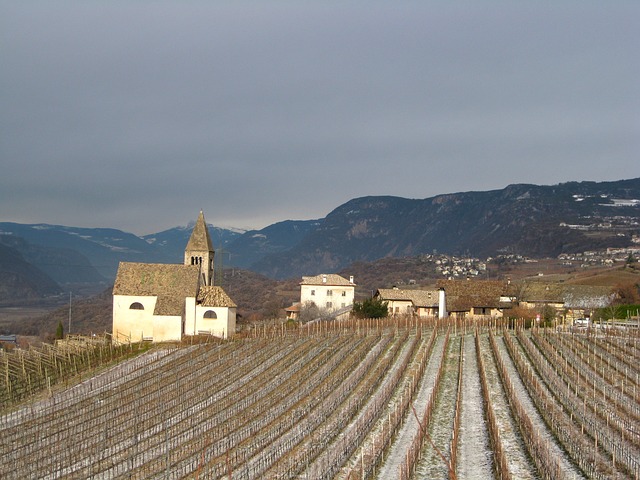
(132, 325)
(223, 326)
(167, 328)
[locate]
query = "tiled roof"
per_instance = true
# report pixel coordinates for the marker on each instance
(331, 279)
(570, 295)
(463, 295)
(169, 305)
(419, 298)
(293, 308)
(156, 279)
(200, 239)
(587, 296)
(211, 296)
(541, 292)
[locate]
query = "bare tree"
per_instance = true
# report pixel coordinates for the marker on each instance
(309, 311)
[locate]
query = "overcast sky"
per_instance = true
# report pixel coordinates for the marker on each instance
(137, 114)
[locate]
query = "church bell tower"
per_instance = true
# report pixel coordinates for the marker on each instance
(200, 252)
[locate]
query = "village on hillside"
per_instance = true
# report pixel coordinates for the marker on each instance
(468, 376)
(166, 302)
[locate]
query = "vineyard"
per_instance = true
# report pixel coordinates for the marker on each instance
(359, 399)
(28, 372)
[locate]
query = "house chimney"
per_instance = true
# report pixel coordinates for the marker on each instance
(324, 279)
(442, 309)
(351, 279)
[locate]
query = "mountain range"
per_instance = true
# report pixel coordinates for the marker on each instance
(531, 220)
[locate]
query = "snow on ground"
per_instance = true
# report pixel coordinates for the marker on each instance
(431, 465)
(520, 464)
(354, 422)
(567, 466)
(409, 428)
(474, 448)
(106, 380)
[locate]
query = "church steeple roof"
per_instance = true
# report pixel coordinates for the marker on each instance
(200, 239)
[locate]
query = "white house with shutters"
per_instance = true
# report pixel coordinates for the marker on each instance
(329, 291)
(164, 302)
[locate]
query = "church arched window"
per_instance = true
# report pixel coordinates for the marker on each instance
(210, 314)
(136, 306)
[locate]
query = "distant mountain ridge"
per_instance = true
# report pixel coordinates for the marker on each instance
(254, 245)
(169, 244)
(21, 280)
(532, 220)
(536, 221)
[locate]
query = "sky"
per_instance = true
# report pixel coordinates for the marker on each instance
(138, 114)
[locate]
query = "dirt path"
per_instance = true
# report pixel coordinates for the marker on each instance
(396, 456)
(474, 450)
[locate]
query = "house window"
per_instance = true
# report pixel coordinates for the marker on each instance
(136, 306)
(313, 292)
(329, 293)
(344, 294)
(329, 304)
(210, 314)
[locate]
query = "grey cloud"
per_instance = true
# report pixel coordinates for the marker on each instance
(144, 112)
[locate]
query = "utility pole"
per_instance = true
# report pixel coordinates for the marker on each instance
(219, 270)
(69, 331)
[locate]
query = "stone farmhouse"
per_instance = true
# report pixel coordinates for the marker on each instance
(489, 298)
(571, 301)
(164, 302)
(477, 298)
(450, 298)
(423, 303)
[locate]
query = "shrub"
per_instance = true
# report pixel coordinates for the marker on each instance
(60, 331)
(371, 308)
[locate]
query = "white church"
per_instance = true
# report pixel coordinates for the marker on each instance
(164, 302)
